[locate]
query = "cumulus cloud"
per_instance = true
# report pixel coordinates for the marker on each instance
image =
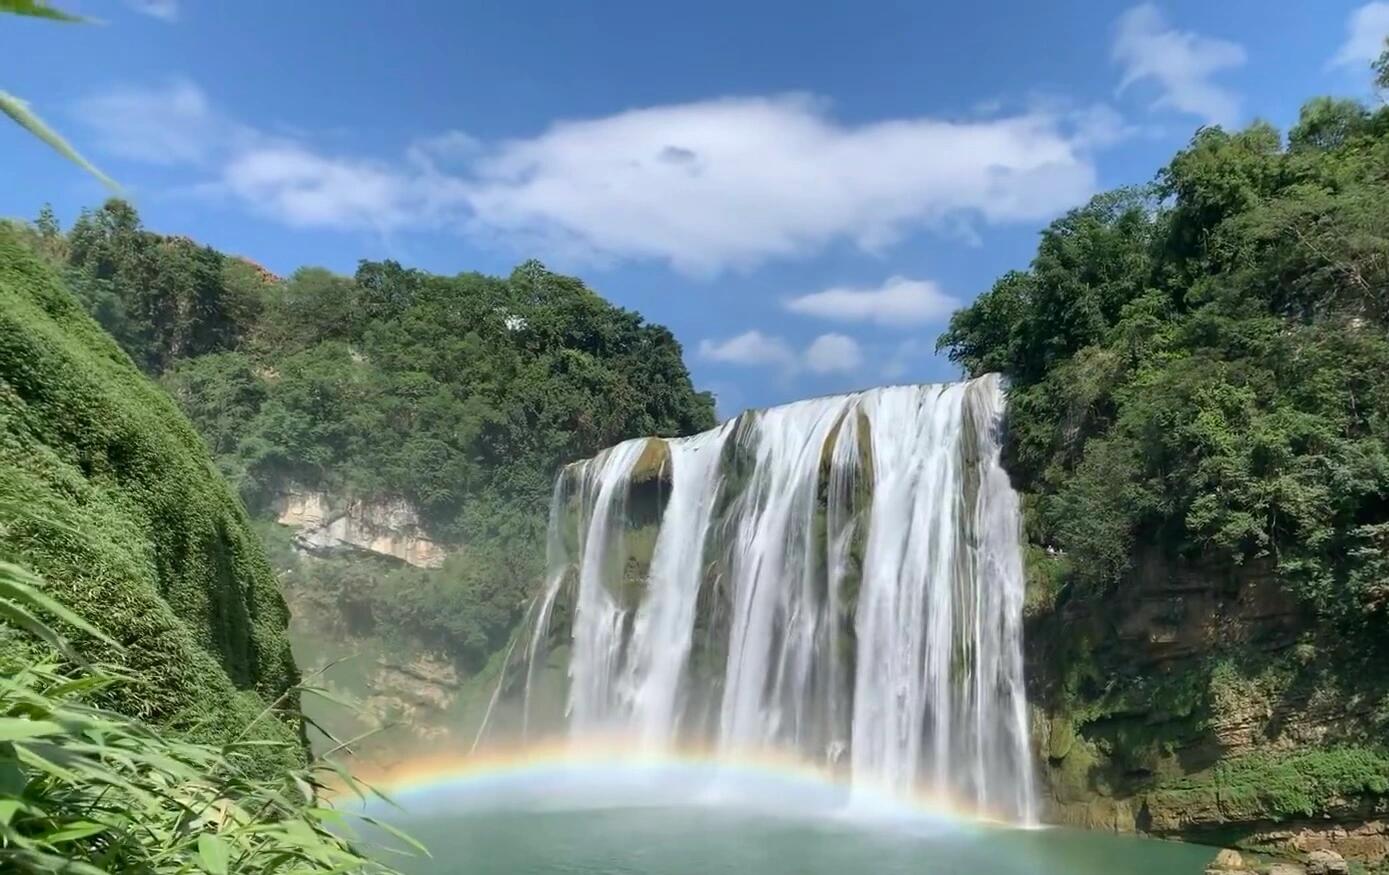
(1181, 64)
(826, 354)
(749, 348)
(703, 186)
(1366, 29)
(175, 124)
(170, 123)
(166, 10)
(733, 182)
(833, 353)
(898, 301)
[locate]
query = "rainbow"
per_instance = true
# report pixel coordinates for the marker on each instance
(445, 781)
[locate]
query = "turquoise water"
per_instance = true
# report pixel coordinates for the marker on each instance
(703, 841)
(603, 817)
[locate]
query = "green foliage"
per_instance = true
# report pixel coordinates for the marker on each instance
(1200, 367)
(463, 395)
(171, 298)
(86, 790)
(466, 608)
(37, 9)
(108, 493)
(1278, 785)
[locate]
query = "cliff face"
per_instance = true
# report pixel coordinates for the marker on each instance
(1207, 704)
(108, 493)
(389, 527)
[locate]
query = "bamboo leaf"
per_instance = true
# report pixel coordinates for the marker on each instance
(34, 626)
(213, 853)
(15, 728)
(38, 9)
(328, 696)
(8, 807)
(20, 585)
(80, 829)
(398, 833)
(26, 118)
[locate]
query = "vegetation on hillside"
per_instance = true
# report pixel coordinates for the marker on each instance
(88, 791)
(1198, 415)
(1201, 366)
(463, 395)
(107, 492)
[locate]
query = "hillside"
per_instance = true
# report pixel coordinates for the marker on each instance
(402, 428)
(1199, 422)
(109, 493)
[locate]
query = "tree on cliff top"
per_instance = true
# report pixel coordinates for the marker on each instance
(1202, 366)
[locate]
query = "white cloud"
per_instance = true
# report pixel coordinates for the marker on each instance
(898, 301)
(826, 354)
(749, 348)
(833, 353)
(166, 10)
(1365, 32)
(733, 182)
(703, 186)
(304, 189)
(172, 123)
(1180, 63)
(446, 149)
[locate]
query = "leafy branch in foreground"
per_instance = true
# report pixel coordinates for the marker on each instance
(86, 791)
(25, 117)
(37, 9)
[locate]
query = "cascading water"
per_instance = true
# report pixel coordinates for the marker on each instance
(839, 577)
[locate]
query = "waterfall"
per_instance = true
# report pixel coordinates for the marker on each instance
(839, 577)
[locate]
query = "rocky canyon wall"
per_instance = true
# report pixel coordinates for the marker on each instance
(1206, 703)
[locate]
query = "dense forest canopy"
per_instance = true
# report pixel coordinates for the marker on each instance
(462, 395)
(1201, 366)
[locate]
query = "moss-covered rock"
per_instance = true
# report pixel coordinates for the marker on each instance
(107, 492)
(1200, 702)
(653, 463)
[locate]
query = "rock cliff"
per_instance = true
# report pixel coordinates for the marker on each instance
(387, 527)
(1205, 703)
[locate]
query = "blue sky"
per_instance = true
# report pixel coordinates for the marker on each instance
(802, 192)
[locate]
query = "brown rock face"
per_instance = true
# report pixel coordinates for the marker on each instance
(1326, 863)
(1227, 860)
(1205, 703)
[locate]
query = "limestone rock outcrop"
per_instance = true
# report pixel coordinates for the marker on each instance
(387, 527)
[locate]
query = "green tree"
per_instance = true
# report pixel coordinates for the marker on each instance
(463, 395)
(1199, 370)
